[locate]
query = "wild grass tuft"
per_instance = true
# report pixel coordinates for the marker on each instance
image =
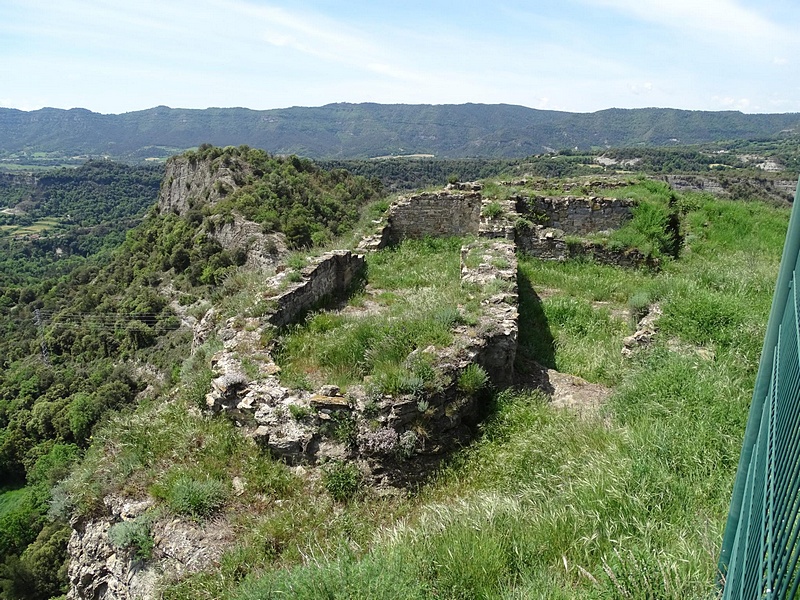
(472, 379)
(196, 497)
(343, 480)
(135, 534)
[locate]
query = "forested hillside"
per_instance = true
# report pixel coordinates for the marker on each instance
(52, 223)
(345, 131)
(86, 332)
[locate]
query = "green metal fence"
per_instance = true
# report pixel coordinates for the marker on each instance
(760, 548)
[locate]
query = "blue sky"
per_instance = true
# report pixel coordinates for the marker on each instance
(116, 56)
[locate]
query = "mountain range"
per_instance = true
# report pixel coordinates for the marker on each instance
(373, 130)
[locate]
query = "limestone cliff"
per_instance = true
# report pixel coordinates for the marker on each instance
(193, 183)
(99, 569)
(189, 181)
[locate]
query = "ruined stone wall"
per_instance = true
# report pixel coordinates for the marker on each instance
(329, 275)
(576, 215)
(435, 214)
(548, 245)
(492, 265)
(396, 439)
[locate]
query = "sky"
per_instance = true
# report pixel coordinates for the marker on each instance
(115, 56)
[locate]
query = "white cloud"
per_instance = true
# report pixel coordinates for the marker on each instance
(308, 33)
(730, 103)
(639, 89)
(726, 17)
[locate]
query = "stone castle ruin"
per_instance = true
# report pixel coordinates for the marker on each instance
(393, 440)
(384, 433)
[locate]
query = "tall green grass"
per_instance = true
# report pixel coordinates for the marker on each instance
(416, 291)
(629, 503)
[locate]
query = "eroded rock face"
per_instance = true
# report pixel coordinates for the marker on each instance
(263, 250)
(779, 191)
(189, 182)
(100, 570)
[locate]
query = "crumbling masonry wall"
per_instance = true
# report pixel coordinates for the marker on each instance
(576, 215)
(436, 214)
(329, 275)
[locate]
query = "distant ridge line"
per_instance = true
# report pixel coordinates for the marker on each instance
(345, 130)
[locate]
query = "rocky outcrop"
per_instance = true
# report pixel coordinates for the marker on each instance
(102, 569)
(264, 250)
(190, 181)
(696, 183)
(778, 191)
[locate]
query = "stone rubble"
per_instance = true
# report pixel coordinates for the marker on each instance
(645, 332)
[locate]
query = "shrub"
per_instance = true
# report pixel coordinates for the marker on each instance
(523, 225)
(341, 427)
(382, 441)
(299, 412)
(406, 444)
(492, 210)
(472, 379)
(343, 480)
(134, 534)
(196, 498)
(651, 230)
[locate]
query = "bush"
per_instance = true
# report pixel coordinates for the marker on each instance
(21, 518)
(342, 427)
(492, 210)
(407, 444)
(652, 230)
(41, 571)
(472, 379)
(299, 412)
(195, 498)
(342, 480)
(135, 534)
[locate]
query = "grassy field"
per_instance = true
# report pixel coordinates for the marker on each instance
(33, 229)
(629, 502)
